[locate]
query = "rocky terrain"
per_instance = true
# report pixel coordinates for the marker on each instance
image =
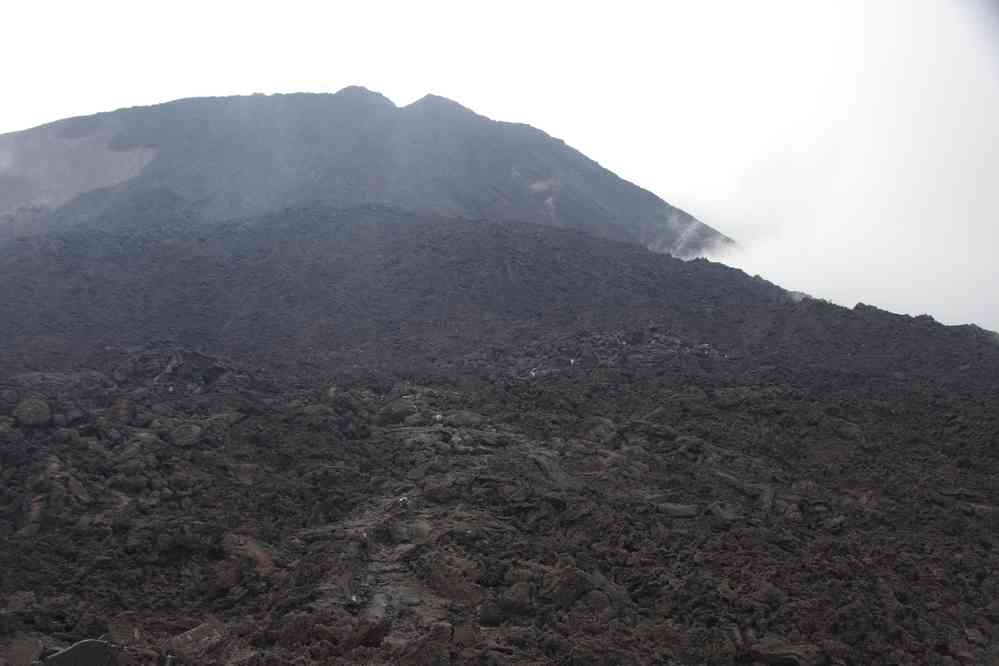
(318, 288)
(618, 497)
(222, 158)
(372, 436)
(313, 379)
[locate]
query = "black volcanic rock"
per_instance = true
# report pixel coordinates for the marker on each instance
(378, 286)
(224, 158)
(329, 281)
(408, 439)
(623, 493)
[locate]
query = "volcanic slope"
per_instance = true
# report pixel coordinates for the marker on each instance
(317, 285)
(448, 441)
(325, 289)
(223, 158)
(627, 495)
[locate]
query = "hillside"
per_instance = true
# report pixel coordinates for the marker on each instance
(378, 284)
(315, 379)
(235, 157)
(367, 435)
(321, 279)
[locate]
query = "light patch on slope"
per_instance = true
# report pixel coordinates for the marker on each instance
(544, 185)
(550, 209)
(52, 170)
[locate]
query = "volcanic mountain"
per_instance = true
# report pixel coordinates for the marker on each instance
(403, 423)
(224, 158)
(365, 435)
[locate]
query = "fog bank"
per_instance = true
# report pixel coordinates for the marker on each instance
(890, 193)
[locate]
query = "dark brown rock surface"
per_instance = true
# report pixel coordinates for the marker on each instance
(411, 440)
(295, 531)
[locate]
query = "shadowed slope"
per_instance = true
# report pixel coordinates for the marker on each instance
(322, 288)
(235, 157)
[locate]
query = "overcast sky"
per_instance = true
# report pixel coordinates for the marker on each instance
(850, 146)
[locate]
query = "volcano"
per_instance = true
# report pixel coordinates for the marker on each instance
(232, 157)
(318, 380)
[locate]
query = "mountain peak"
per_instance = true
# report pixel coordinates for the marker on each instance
(234, 157)
(438, 103)
(363, 94)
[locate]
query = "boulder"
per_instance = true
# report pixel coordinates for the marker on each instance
(33, 413)
(600, 430)
(67, 435)
(463, 419)
(598, 601)
(163, 426)
(187, 435)
(371, 633)
(517, 599)
(331, 394)
(396, 412)
(491, 615)
(565, 585)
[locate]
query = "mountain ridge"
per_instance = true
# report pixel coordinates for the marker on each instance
(232, 157)
(357, 432)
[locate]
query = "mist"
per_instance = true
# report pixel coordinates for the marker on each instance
(890, 198)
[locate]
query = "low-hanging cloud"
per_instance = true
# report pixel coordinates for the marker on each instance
(890, 195)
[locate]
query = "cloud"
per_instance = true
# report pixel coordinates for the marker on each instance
(889, 195)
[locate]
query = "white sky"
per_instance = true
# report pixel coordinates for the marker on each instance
(850, 146)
